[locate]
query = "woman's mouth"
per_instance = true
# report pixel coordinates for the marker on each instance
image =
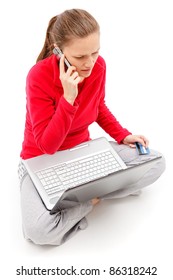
(86, 70)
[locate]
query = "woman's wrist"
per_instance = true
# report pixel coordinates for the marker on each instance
(69, 100)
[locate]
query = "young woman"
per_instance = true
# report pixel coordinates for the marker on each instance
(61, 104)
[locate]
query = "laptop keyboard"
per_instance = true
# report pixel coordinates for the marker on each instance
(70, 175)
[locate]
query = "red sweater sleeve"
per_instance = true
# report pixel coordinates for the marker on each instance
(50, 123)
(108, 122)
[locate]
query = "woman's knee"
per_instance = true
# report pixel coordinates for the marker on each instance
(161, 165)
(42, 232)
(154, 173)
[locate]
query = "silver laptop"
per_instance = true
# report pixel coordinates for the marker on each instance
(91, 169)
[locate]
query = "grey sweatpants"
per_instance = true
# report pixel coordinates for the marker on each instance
(42, 228)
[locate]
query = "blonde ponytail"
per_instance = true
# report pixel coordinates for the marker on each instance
(48, 44)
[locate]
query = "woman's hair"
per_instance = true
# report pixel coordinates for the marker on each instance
(70, 24)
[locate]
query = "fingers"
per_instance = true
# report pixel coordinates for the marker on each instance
(143, 140)
(63, 68)
(132, 145)
(69, 73)
(131, 139)
(62, 65)
(74, 75)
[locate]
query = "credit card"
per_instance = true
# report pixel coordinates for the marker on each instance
(141, 149)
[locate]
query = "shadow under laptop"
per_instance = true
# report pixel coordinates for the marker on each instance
(69, 202)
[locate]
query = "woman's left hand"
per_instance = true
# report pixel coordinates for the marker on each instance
(131, 139)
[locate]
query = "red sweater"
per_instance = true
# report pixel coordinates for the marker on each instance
(54, 124)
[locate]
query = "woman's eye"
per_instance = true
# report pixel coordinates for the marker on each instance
(79, 57)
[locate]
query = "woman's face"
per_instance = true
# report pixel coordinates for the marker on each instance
(83, 53)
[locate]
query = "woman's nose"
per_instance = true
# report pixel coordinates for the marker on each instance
(89, 62)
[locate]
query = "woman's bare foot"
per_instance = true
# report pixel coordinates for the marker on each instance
(95, 201)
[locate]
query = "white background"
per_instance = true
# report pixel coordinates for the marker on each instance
(137, 44)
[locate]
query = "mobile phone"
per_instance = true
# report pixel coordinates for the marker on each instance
(58, 52)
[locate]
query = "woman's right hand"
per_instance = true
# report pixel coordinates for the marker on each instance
(70, 80)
